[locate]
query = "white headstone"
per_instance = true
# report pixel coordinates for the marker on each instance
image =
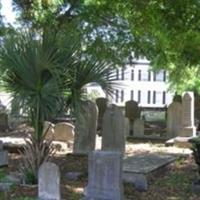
(113, 130)
(105, 176)
(188, 128)
(49, 182)
(174, 118)
(86, 128)
(138, 128)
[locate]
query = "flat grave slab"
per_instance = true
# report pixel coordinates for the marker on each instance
(138, 168)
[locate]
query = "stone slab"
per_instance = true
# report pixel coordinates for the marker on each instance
(3, 158)
(137, 169)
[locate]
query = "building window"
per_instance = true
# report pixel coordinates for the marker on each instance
(132, 95)
(154, 97)
(164, 98)
(149, 75)
(139, 96)
(122, 71)
(159, 97)
(159, 76)
(139, 75)
(116, 96)
(117, 74)
(164, 76)
(122, 95)
(143, 75)
(149, 97)
(132, 74)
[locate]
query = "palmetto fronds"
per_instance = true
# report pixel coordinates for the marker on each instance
(44, 75)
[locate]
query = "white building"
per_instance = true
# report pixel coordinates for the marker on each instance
(137, 82)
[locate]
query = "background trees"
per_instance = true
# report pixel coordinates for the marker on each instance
(95, 24)
(166, 32)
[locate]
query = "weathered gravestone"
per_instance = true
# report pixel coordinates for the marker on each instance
(105, 176)
(3, 118)
(177, 98)
(127, 129)
(174, 117)
(132, 112)
(102, 104)
(197, 112)
(188, 128)
(138, 128)
(85, 128)
(64, 132)
(113, 130)
(3, 155)
(49, 182)
(3, 121)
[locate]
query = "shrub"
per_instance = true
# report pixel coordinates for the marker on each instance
(33, 156)
(196, 151)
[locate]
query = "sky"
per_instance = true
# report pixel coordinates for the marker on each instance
(7, 11)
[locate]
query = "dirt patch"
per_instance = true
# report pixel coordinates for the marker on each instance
(173, 183)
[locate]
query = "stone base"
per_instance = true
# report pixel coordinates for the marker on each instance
(189, 131)
(140, 181)
(169, 142)
(181, 142)
(105, 195)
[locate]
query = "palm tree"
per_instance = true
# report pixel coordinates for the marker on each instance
(42, 74)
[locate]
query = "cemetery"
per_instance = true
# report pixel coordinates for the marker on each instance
(61, 139)
(116, 161)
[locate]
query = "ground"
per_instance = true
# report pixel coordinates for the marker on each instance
(173, 182)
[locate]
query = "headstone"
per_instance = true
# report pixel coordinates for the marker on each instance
(105, 176)
(132, 112)
(177, 98)
(127, 129)
(174, 117)
(138, 128)
(49, 182)
(197, 112)
(3, 121)
(102, 104)
(73, 176)
(113, 130)
(64, 132)
(48, 130)
(3, 156)
(188, 128)
(85, 128)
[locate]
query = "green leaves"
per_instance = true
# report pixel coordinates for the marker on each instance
(45, 74)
